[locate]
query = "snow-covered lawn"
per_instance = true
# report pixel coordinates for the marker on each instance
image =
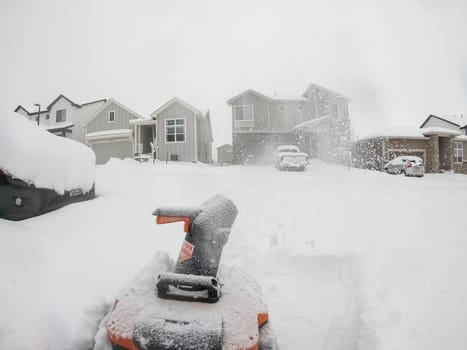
(347, 259)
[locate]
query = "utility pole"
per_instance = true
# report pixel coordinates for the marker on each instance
(38, 113)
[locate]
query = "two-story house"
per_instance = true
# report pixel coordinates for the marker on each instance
(318, 122)
(63, 116)
(179, 132)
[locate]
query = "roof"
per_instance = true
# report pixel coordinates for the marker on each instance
(171, 102)
(109, 102)
(33, 110)
(59, 126)
(106, 134)
(396, 132)
(271, 99)
(311, 123)
(440, 131)
(66, 98)
(142, 121)
(457, 120)
(461, 138)
(315, 86)
(225, 145)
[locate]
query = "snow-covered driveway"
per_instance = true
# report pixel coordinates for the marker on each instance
(347, 259)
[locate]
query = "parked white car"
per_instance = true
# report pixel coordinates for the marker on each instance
(406, 165)
(289, 157)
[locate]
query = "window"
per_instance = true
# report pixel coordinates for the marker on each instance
(47, 116)
(458, 152)
(243, 116)
(174, 130)
(111, 116)
(282, 108)
(60, 115)
(174, 157)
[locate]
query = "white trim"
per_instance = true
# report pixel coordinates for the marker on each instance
(244, 123)
(175, 126)
(111, 121)
(461, 149)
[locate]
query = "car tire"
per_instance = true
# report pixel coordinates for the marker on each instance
(403, 173)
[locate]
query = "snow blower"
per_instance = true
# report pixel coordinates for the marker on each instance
(195, 305)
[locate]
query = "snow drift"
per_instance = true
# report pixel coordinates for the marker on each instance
(38, 157)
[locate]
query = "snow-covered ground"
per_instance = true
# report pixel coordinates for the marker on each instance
(347, 259)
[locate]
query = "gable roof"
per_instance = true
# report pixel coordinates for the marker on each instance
(171, 102)
(263, 96)
(47, 109)
(66, 98)
(455, 120)
(108, 103)
(315, 86)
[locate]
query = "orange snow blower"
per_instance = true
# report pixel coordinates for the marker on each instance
(195, 304)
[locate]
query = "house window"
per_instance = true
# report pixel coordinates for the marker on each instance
(458, 152)
(243, 115)
(111, 117)
(174, 130)
(47, 116)
(282, 108)
(174, 157)
(60, 115)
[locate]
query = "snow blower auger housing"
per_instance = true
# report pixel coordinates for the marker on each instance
(197, 304)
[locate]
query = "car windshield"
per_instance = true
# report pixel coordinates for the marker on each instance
(293, 159)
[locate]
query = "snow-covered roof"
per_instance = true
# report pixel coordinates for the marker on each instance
(56, 126)
(276, 97)
(34, 155)
(461, 138)
(396, 132)
(172, 101)
(312, 123)
(106, 134)
(458, 120)
(107, 103)
(440, 131)
(143, 121)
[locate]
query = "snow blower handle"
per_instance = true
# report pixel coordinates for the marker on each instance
(167, 215)
(207, 227)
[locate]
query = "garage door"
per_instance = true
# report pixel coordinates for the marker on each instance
(114, 149)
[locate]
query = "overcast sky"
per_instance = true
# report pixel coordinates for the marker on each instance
(397, 60)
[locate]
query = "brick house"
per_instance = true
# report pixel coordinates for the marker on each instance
(441, 148)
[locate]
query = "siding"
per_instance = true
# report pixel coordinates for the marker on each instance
(184, 150)
(101, 121)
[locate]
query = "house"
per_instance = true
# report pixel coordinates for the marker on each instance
(446, 121)
(182, 133)
(62, 116)
(110, 134)
(318, 122)
(441, 148)
(225, 154)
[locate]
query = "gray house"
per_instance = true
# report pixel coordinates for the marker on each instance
(182, 133)
(318, 122)
(62, 116)
(110, 134)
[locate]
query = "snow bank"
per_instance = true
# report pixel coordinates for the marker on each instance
(38, 157)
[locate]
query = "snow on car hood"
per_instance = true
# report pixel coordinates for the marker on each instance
(38, 157)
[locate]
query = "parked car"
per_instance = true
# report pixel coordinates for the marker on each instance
(406, 165)
(289, 157)
(43, 175)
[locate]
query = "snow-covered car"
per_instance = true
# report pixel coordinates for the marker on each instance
(289, 157)
(39, 171)
(406, 165)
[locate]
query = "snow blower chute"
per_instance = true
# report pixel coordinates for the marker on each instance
(195, 305)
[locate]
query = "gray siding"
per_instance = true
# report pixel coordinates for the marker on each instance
(204, 146)
(114, 149)
(101, 121)
(184, 150)
(268, 115)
